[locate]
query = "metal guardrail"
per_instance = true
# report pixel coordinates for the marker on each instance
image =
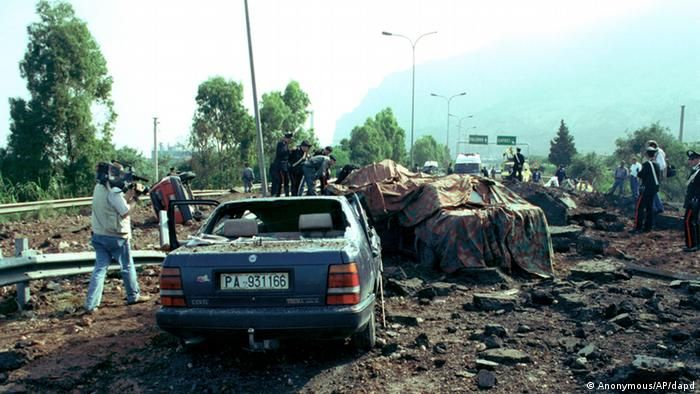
(28, 267)
(78, 202)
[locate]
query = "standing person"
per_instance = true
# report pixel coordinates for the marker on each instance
(536, 176)
(621, 174)
(248, 178)
(660, 159)
(279, 168)
(315, 168)
(644, 210)
(296, 165)
(518, 163)
(691, 225)
(450, 170)
(327, 174)
(635, 167)
(484, 172)
(560, 174)
(111, 235)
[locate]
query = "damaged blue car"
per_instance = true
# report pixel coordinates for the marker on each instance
(269, 269)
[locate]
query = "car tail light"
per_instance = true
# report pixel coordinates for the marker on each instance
(171, 288)
(343, 285)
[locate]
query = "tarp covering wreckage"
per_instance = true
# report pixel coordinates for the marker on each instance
(459, 220)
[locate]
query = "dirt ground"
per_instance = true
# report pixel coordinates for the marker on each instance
(553, 335)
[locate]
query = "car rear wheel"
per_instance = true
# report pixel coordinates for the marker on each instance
(367, 338)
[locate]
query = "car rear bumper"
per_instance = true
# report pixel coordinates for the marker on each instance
(320, 322)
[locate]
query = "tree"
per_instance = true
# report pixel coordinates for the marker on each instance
(366, 144)
(590, 167)
(395, 148)
(222, 135)
(282, 113)
(426, 148)
(297, 101)
(63, 129)
(562, 149)
(378, 139)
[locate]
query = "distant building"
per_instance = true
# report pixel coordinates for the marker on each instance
(177, 152)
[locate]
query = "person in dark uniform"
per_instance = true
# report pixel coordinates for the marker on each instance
(344, 172)
(649, 178)
(691, 225)
(279, 169)
(518, 163)
(296, 165)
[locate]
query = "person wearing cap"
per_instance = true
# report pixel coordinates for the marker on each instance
(635, 167)
(660, 159)
(296, 165)
(621, 174)
(691, 226)
(315, 168)
(279, 169)
(644, 209)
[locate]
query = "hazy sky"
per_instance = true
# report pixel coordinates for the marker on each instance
(159, 51)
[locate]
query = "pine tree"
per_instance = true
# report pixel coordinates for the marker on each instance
(562, 149)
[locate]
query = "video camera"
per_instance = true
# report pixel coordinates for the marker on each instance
(121, 176)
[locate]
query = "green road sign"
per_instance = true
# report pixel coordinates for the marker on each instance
(478, 139)
(505, 140)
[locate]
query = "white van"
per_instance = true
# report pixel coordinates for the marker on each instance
(468, 163)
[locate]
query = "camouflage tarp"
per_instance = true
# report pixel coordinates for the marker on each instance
(459, 220)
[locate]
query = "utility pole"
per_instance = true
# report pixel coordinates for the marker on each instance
(261, 151)
(155, 147)
(680, 132)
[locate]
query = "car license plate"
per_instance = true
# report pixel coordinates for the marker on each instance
(255, 281)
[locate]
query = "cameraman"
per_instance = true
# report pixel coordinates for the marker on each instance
(111, 234)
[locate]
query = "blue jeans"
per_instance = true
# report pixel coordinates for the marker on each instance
(634, 185)
(109, 248)
(619, 184)
(310, 180)
(658, 206)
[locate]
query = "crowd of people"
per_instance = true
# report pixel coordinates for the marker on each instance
(294, 169)
(645, 180)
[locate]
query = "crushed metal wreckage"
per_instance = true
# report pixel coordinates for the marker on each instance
(454, 221)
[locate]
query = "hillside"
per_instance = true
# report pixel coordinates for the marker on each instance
(602, 82)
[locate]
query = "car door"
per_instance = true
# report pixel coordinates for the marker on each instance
(372, 242)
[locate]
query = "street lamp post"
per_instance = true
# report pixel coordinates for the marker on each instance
(413, 79)
(459, 130)
(459, 124)
(448, 99)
